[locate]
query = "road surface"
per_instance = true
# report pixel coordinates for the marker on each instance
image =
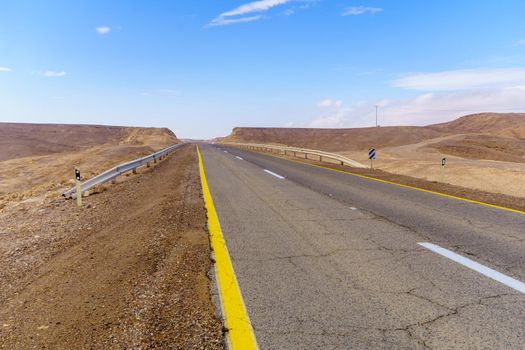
(327, 260)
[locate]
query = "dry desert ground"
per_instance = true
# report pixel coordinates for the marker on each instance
(483, 151)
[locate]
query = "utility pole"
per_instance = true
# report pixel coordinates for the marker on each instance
(377, 106)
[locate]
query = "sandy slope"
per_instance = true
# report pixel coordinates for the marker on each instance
(424, 162)
(39, 159)
(484, 151)
(128, 270)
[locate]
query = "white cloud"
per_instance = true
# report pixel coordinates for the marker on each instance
(235, 15)
(5, 69)
(329, 103)
(224, 22)
(103, 30)
(463, 79)
(425, 109)
(360, 10)
(255, 6)
(289, 12)
(338, 116)
(53, 74)
(521, 42)
(338, 119)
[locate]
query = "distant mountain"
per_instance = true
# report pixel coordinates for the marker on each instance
(497, 124)
(23, 140)
(498, 136)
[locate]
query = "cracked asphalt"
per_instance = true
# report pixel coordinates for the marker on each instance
(325, 260)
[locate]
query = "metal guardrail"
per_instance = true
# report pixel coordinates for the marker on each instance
(294, 150)
(112, 173)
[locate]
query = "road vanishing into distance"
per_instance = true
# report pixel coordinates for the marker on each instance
(328, 260)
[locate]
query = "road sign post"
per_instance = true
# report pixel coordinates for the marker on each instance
(442, 172)
(78, 187)
(372, 156)
(377, 106)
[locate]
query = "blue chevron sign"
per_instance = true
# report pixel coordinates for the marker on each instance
(372, 153)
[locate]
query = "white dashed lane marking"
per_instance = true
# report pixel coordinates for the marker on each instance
(471, 264)
(274, 174)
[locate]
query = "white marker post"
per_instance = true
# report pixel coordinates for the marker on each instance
(442, 174)
(79, 189)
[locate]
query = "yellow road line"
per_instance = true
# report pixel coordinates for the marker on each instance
(240, 334)
(406, 186)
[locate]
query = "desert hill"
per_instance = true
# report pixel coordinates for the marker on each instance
(510, 125)
(39, 158)
(19, 140)
(483, 136)
(334, 140)
(484, 151)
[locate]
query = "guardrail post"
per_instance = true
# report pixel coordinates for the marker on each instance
(134, 170)
(305, 155)
(442, 171)
(114, 180)
(78, 187)
(148, 165)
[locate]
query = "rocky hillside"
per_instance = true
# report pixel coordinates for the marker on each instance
(482, 136)
(39, 158)
(19, 140)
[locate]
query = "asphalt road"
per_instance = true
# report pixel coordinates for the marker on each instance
(326, 260)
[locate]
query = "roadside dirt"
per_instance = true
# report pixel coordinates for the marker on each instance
(473, 194)
(127, 270)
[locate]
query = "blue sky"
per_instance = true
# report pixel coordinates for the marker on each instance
(203, 67)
